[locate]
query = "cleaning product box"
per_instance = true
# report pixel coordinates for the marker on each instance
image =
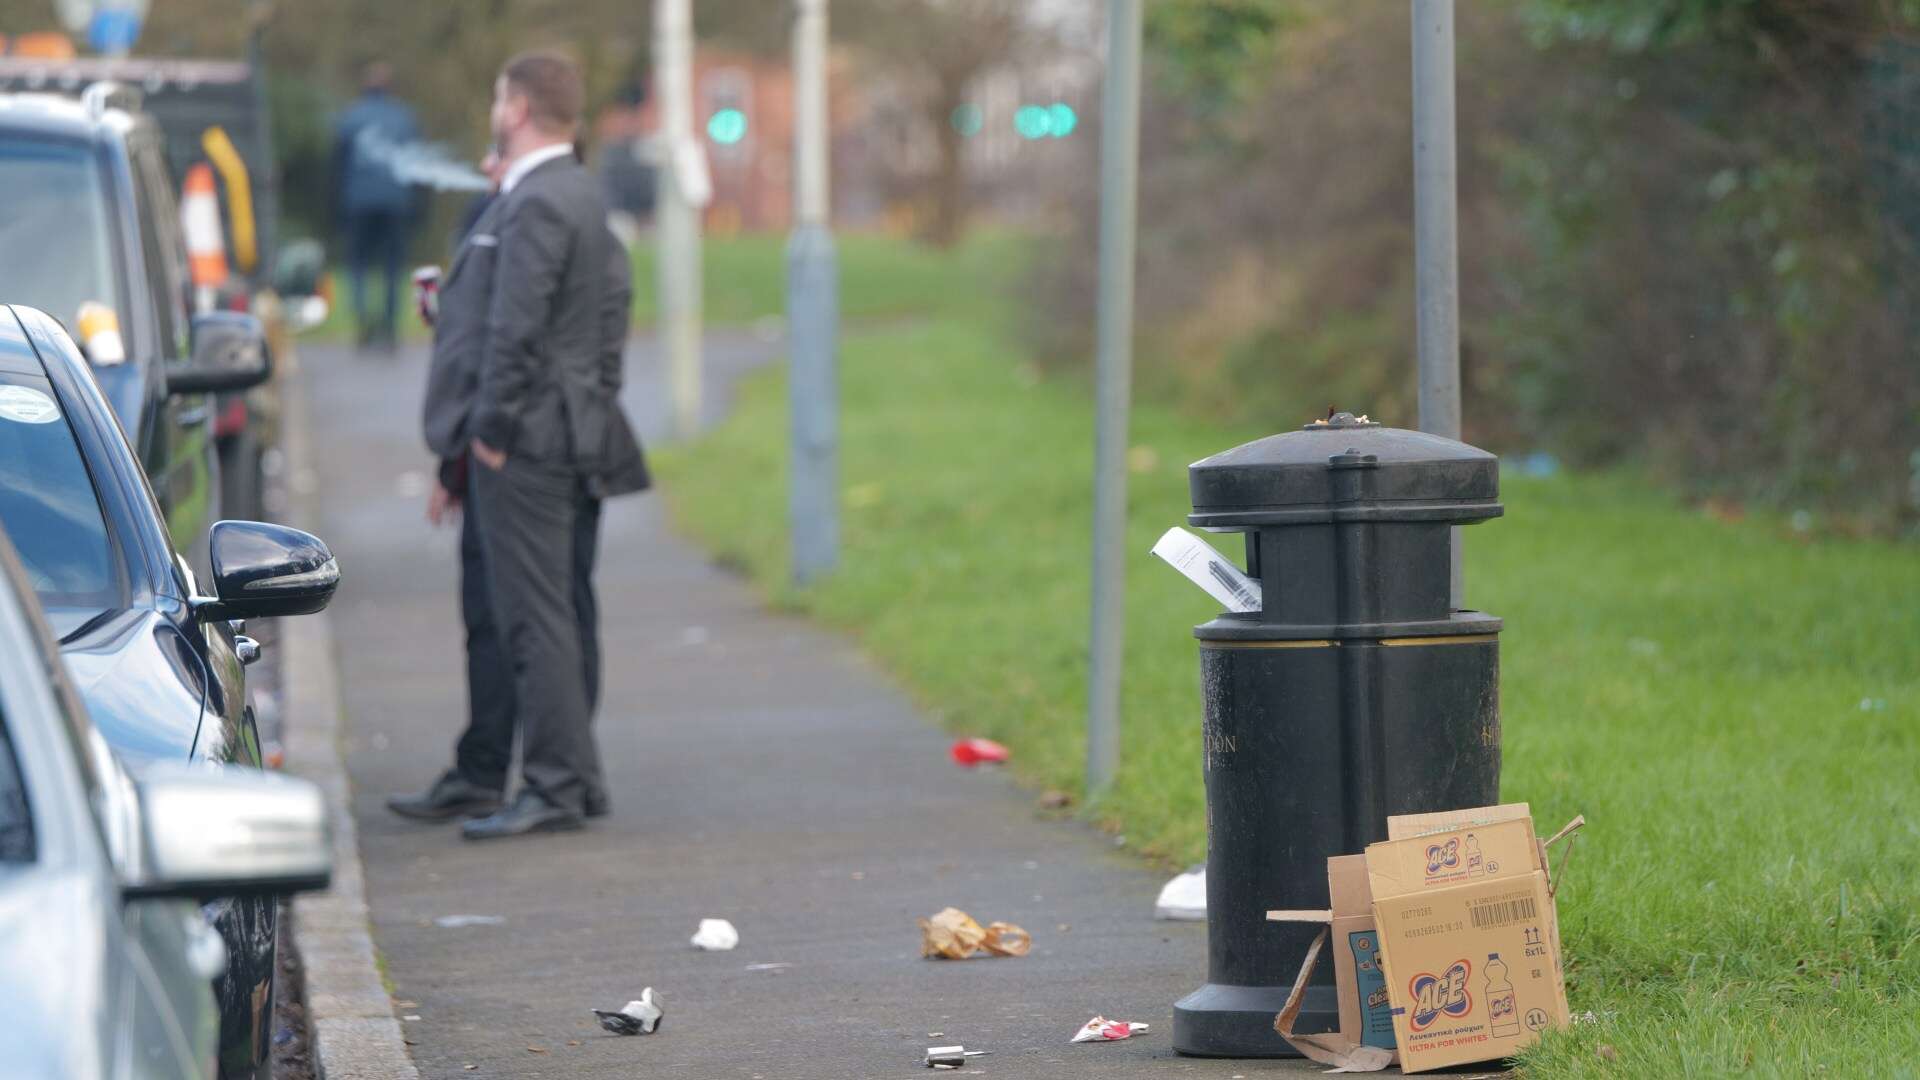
(1363, 1041)
(1366, 1018)
(1464, 916)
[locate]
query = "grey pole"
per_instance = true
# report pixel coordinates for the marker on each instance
(1119, 170)
(1436, 243)
(678, 265)
(813, 311)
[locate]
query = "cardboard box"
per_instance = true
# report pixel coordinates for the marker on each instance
(1366, 1016)
(1454, 857)
(1364, 1040)
(1471, 952)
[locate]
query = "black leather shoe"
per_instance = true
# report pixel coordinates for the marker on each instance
(451, 796)
(528, 813)
(597, 804)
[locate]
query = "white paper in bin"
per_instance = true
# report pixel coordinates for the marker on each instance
(1208, 569)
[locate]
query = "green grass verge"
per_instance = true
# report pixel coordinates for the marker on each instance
(1736, 712)
(743, 278)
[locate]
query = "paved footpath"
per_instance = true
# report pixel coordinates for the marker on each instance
(762, 771)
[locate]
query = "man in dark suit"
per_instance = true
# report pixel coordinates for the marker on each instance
(522, 406)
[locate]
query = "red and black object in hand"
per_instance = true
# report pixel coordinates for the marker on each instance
(426, 293)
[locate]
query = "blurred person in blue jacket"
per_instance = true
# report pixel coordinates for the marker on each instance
(372, 204)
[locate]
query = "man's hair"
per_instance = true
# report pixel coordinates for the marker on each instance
(551, 84)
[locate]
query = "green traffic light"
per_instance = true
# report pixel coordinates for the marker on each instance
(968, 119)
(1061, 119)
(1033, 122)
(727, 126)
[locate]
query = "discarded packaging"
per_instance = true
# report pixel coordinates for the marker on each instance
(640, 1017)
(1469, 935)
(1208, 569)
(950, 1057)
(1364, 1040)
(1184, 899)
(1101, 1029)
(715, 935)
(953, 935)
(971, 752)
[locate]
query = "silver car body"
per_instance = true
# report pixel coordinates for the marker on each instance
(91, 984)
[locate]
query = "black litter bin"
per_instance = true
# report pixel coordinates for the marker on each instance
(1355, 693)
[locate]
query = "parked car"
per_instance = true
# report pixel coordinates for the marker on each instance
(106, 964)
(199, 105)
(91, 200)
(160, 663)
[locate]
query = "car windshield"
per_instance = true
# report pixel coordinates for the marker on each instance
(49, 508)
(55, 229)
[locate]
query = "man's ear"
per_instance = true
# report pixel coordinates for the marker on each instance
(515, 109)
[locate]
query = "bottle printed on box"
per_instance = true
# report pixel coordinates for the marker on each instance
(1376, 1012)
(1503, 1011)
(1475, 864)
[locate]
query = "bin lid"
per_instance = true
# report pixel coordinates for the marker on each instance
(1344, 468)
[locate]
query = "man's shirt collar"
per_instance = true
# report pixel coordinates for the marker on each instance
(518, 171)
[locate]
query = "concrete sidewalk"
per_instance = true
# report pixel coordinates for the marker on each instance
(762, 771)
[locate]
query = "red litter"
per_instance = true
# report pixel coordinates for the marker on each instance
(971, 752)
(1101, 1029)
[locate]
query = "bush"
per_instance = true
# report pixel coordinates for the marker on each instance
(1687, 236)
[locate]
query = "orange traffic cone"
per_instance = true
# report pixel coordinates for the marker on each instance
(206, 247)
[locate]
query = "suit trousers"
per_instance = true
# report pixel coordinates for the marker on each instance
(528, 547)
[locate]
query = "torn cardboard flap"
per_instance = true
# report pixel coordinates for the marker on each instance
(1566, 833)
(1364, 1041)
(1332, 1048)
(1407, 826)
(1470, 852)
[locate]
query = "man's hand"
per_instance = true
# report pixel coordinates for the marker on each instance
(442, 506)
(488, 456)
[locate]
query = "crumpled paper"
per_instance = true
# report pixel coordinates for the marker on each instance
(953, 935)
(1101, 1029)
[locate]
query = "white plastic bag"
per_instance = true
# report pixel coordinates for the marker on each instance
(1184, 899)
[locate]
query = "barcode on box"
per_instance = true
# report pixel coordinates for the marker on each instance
(1500, 912)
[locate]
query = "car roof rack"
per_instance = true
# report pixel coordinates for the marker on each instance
(108, 94)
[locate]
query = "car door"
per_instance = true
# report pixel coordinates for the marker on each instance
(179, 452)
(94, 986)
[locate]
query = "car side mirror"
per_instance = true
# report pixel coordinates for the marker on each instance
(229, 354)
(261, 571)
(231, 831)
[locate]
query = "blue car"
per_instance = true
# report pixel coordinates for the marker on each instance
(158, 656)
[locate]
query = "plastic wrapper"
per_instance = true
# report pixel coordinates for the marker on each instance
(1101, 1029)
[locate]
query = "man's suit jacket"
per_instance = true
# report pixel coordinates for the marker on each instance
(551, 363)
(460, 336)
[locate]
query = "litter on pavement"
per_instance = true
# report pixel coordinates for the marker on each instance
(953, 935)
(454, 922)
(950, 1057)
(1184, 899)
(976, 751)
(1101, 1029)
(715, 935)
(640, 1017)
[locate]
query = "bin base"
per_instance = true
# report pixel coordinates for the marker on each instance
(1218, 1020)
